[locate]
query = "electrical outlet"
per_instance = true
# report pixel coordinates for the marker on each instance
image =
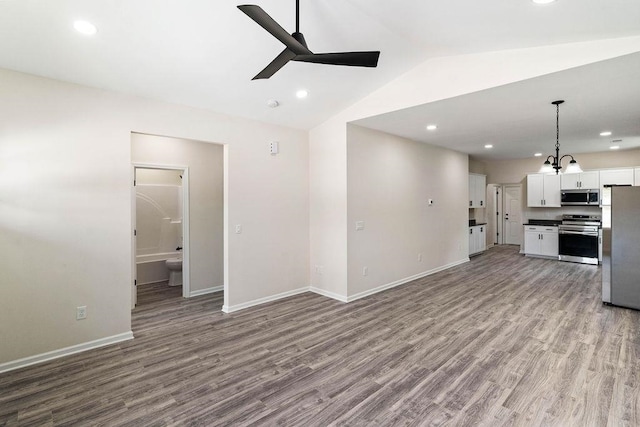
(420, 257)
(365, 271)
(238, 228)
(319, 270)
(81, 312)
(273, 148)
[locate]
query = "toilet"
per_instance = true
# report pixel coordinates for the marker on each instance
(175, 271)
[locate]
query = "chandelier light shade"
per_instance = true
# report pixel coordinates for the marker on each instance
(555, 162)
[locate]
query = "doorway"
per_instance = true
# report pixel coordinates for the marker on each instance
(160, 227)
(205, 207)
(507, 215)
(512, 206)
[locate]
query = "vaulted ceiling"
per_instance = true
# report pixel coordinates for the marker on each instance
(203, 53)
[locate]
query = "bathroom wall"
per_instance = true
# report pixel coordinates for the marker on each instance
(158, 215)
(158, 222)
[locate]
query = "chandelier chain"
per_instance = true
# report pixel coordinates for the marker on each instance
(557, 126)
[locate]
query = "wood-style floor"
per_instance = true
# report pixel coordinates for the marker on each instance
(502, 340)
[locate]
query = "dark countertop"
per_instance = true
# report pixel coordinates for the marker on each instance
(476, 223)
(544, 222)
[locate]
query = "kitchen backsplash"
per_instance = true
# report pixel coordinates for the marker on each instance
(556, 213)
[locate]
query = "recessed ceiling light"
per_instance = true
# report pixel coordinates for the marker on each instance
(85, 27)
(432, 127)
(543, 1)
(302, 93)
(607, 133)
(614, 147)
(488, 146)
(538, 154)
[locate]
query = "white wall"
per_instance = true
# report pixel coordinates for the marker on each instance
(390, 180)
(328, 214)
(206, 181)
(65, 208)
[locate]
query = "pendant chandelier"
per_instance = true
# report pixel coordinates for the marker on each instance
(555, 162)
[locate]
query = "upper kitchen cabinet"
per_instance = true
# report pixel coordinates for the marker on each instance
(613, 177)
(543, 190)
(616, 177)
(583, 180)
(477, 190)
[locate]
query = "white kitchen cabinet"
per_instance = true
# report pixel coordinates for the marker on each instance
(636, 176)
(477, 190)
(477, 239)
(583, 180)
(543, 190)
(616, 177)
(623, 176)
(541, 241)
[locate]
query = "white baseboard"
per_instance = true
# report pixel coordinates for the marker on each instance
(341, 298)
(328, 294)
(56, 354)
(231, 309)
(39, 358)
(206, 291)
(360, 295)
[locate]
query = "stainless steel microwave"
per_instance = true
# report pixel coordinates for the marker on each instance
(580, 197)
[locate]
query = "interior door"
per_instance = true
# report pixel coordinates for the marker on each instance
(512, 214)
(134, 245)
(498, 232)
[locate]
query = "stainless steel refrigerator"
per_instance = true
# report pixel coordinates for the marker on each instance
(621, 249)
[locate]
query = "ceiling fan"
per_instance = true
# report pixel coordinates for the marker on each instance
(296, 47)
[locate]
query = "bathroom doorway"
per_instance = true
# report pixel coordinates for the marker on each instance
(204, 212)
(161, 224)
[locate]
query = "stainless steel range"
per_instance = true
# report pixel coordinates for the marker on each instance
(580, 237)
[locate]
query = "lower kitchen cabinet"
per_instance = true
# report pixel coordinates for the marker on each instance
(477, 239)
(541, 241)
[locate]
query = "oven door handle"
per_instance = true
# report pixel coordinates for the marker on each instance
(579, 233)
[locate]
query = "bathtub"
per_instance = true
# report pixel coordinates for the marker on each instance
(151, 267)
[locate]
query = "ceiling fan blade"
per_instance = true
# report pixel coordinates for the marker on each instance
(265, 21)
(353, 59)
(280, 61)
